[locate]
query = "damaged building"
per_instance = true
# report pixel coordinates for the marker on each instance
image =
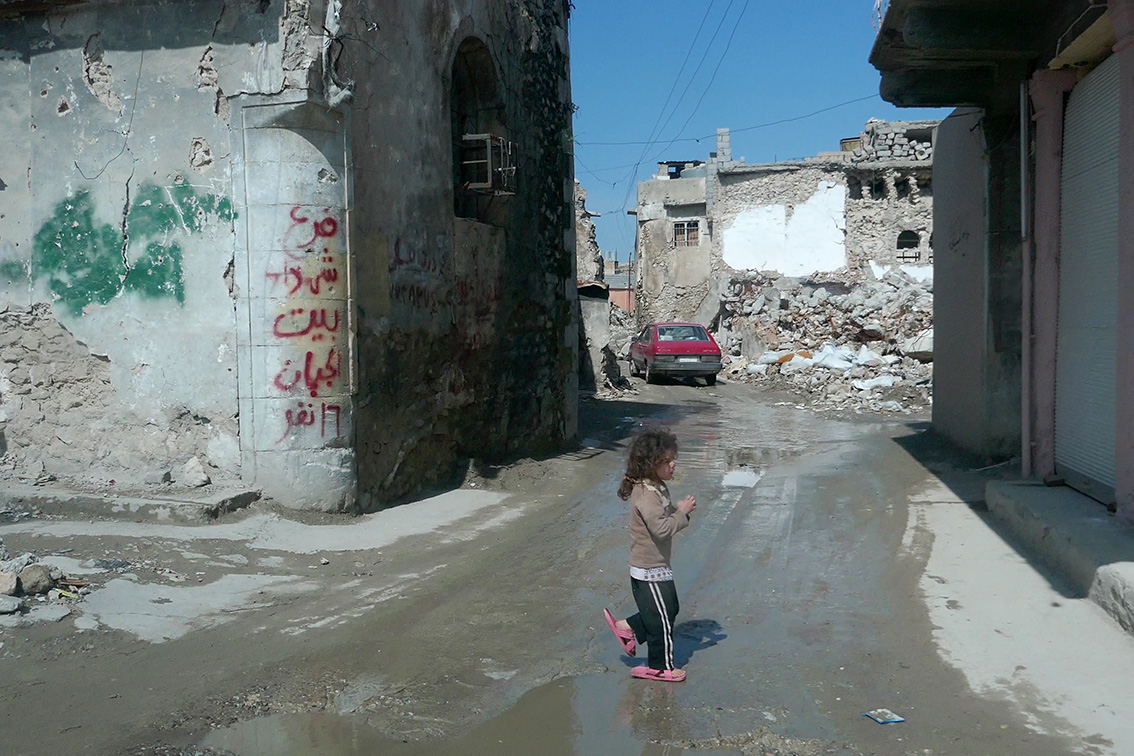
(1034, 313)
(848, 213)
(323, 248)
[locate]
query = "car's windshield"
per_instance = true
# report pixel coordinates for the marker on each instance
(682, 333)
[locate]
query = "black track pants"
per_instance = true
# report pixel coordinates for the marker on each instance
(653, 624)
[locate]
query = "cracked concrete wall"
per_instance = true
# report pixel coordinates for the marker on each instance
(146, 186)
(119, 217)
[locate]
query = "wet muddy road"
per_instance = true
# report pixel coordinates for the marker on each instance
(806, 600)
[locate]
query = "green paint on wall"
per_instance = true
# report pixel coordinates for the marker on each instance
(157, 273)
(84, 262)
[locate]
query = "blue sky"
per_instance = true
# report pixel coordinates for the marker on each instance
(786, 59)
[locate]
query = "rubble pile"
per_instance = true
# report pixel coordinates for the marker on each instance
(24, 578)
(622, 332)
(623, 329)
(884, 141)
(851, 345)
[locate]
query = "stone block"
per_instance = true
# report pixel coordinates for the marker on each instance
(36, 579)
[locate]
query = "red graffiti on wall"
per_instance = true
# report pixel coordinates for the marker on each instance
(311, 321)
(294, 279)
(303, 233)
(304, 415)
(412, 257)
(299, 322)
(313, 377)
(420, 295)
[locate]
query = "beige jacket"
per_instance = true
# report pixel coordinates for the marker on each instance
(653, 522)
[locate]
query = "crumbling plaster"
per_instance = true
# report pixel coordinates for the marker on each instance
(122, 224)
(134, 209)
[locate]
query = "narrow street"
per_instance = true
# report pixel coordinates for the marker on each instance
(834, 566)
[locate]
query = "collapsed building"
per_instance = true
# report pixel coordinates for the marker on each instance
(871, 203)
(718, 239)
(320, 247)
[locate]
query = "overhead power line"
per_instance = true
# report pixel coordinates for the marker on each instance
(711, 78)
(734, 131)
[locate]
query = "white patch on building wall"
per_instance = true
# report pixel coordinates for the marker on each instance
(812, 239)
(922, 273)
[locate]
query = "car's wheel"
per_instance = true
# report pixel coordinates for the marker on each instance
(651, 376)
(634, 372)
(711, 380)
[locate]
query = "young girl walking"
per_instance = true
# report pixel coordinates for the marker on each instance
(653, 523)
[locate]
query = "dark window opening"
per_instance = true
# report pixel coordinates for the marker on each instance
(924, 136)
(878, 188)
(854, 187)
(902, 186)
(686, 234)
(908, 243)
(483, 159)
(924, 187)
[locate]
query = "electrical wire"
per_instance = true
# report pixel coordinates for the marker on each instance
(711, 78)
(734, 131)
(650, 139)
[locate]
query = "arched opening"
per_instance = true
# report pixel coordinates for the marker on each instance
(482, 167)
(908, 244)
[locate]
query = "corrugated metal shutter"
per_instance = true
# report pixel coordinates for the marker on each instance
(1088, 286)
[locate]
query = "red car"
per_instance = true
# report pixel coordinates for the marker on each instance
(679, 349)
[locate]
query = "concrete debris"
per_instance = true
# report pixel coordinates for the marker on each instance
(36, 579)
(621, 333)
(10, 604)
(858, 345)
(17, 564)
(192, 474)
(158, 477)
(9, 583)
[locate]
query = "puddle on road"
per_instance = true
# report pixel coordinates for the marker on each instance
(742, 478)
(561, 718)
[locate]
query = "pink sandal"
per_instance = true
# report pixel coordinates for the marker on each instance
(625, 637)
(662, 675)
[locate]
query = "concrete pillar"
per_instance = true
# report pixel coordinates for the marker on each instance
(1122, 15)
(724, 146)
(1047, 90)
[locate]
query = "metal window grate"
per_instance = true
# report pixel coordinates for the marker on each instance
(488, 164)
(687, 233)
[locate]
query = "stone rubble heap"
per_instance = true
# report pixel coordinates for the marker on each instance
(859, 346)
(622, 332)
(24, 578)
(883, 142)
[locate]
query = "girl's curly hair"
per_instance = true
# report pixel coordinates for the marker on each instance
(648, 449)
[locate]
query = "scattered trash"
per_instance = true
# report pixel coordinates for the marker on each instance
(883, 716)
